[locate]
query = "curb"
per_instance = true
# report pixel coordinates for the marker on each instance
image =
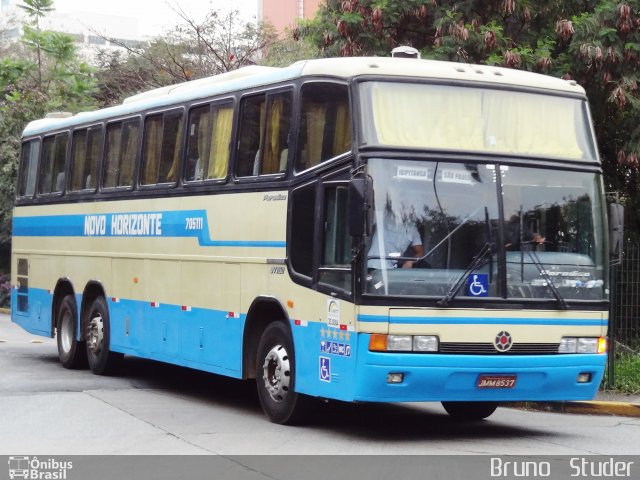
(595, 407)
(6, 311)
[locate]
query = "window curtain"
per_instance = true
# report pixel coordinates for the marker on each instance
(342, 134)
(129, 151)
(221, 139)
(114, 135)
(91, 165)
(531, 124)
(172, 174)
(79, 159)
(427, 117)
(152, 147)
(271, 158)
(316, 118)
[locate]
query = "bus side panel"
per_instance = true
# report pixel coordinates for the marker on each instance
(36, 318)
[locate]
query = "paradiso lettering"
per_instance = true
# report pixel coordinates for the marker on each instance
(123, 224)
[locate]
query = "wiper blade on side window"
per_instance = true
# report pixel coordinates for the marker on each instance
(556, 293)
(484, 252)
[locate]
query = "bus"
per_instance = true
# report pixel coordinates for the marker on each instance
(352, 229)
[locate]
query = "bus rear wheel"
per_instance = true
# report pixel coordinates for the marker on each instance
(275, 377)
(470, 410)
(71, 351)
(102, 361)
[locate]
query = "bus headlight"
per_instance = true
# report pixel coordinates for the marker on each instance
(399, 343)
(425, 343)
(403, 343)
(582, 345)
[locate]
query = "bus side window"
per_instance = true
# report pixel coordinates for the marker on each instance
(275, 148)
(161, 148)
(264, 134)
(325, 124)
(209, 136)
(85, 156)
(28, 168)
(53, 162)
(252, 115)
(121, 152)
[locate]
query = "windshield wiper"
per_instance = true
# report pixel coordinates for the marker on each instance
(487, 249)
(545, 275)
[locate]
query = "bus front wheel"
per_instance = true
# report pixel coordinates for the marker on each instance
(102, 361)
(275, 377)
(470, 410)
(71, 351)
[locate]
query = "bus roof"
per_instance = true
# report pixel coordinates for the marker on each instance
(343, 67)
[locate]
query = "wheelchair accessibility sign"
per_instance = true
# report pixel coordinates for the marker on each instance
(325, 369)
(478, 285)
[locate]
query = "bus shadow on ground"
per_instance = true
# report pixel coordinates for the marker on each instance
(373, 421)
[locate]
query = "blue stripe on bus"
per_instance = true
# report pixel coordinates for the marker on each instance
(164, 224)
(581, 322)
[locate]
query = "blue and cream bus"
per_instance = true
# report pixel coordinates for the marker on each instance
(254, 225)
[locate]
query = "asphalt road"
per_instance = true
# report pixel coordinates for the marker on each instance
(152, 408)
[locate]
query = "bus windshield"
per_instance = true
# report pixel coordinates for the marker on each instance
(496, 121)
(440, 226)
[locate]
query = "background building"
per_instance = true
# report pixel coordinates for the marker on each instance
(88, 29)
(282, 14)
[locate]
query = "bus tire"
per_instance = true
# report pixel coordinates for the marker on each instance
(275, 377)
(71, 351)
(470, 410)
(102, 361)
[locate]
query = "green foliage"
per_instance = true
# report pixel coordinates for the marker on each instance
(42, 74)
(626, 376)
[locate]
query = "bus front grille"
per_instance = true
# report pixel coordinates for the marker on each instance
(488, 349)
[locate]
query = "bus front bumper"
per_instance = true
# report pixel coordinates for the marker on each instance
(445, 377)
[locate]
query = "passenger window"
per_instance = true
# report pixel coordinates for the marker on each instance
(325, 124)
(264, 134)
(85, 158)
(161, 148)
(209, 133)
(53, 162)
(28, 168)
(121, 153)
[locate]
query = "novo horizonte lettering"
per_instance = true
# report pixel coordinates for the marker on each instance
(123, 224)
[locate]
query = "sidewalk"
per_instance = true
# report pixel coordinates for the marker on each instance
(605, 403)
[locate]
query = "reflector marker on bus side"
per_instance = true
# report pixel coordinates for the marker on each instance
(185, 308)
(301, 323)
(155, 304)
(115, 300)
(347, 328)
(233, 315)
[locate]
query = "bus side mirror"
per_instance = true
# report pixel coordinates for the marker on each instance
(360, 204)
(616, 229)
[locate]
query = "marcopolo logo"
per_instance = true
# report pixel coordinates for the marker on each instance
(36, 469)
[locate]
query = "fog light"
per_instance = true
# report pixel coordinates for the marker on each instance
(584, 377)
(399, 343)
(425, 343)
(395, 377)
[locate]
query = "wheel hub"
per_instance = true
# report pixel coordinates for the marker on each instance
(66, 332)
(276, 373)
(95, 334)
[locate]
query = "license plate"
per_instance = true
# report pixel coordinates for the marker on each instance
(496, 381)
